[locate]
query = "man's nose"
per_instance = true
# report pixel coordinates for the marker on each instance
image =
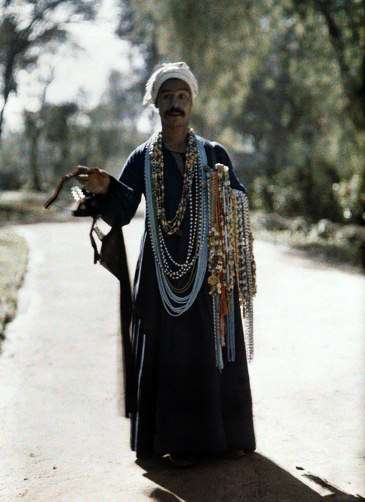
(174, 100)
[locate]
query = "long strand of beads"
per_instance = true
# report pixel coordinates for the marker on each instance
(251, 279)
(174, 303)
(193, 244)
(217, 342)
(230, 259)
(172, 226)
(171, 267)
(231, 332)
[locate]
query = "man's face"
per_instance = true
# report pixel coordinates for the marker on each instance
(174, 102)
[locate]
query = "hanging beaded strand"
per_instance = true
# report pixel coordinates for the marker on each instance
(172, 268)
(172, 226)
(168, 269)
(230, 261)
(227, 250)
(250, 274)
(221, 262)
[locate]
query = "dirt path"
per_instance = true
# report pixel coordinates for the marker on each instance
(63, 439)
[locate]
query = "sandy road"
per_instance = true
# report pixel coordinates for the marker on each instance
(63, 439)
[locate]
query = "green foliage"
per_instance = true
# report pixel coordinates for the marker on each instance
(343, 22)
(281, 86)
(348, 194)
(13, 162)
(286, 74)
(11, 274)
(137, 24)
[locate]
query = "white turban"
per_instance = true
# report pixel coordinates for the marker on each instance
(169, 70)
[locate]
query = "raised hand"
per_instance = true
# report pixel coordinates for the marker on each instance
(94, 180)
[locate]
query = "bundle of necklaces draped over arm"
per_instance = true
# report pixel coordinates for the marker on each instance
(230, 261)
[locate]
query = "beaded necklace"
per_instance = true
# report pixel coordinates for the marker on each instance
(158, 185)
(230, 262)
(219, 239)
(178, 299)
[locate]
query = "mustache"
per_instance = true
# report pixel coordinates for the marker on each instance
(175, 110)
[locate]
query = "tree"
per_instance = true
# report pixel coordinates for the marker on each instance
(344, 20)
(122, 99)
(113, 128)
(29, 27)
(138, 25)
(285, 74)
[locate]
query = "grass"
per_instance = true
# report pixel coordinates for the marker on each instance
(13, 263)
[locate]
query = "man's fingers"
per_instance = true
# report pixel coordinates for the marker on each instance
(83, 179)
(93, 179)
(82, 170)
(83, 173)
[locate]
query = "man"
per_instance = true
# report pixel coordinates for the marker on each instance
(190, 396)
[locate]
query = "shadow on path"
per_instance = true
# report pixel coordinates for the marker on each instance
(253, 478)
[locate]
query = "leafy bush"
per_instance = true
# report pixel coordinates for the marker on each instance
(10, 180)
(13, 166)
(348, 195)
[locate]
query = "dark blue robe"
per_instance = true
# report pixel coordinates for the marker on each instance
(182, 401)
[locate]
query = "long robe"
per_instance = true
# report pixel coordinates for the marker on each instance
(182, 402)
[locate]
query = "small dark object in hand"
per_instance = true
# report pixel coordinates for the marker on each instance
(88, 206)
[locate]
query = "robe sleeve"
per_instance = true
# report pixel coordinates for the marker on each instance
(121, 201)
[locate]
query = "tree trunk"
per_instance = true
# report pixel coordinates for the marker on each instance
(2, 119)
(35, 181)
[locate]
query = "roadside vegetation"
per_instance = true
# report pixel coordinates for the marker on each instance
(13, 263)
(333, 243)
